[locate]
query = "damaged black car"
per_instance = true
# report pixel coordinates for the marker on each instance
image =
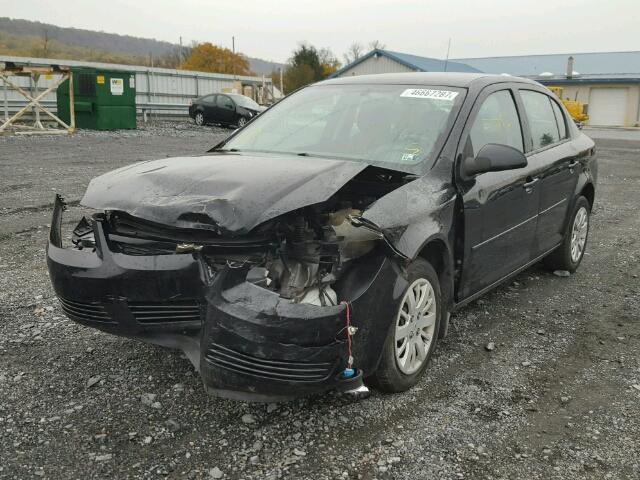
(325, 244)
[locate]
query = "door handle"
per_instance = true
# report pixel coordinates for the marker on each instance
(528, 185)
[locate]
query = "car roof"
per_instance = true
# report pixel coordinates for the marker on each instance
(452, 79)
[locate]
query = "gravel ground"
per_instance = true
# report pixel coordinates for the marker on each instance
(558, 397)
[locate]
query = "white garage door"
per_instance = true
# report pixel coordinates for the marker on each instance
(607, 106)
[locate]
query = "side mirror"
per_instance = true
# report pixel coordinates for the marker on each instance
(494, 157)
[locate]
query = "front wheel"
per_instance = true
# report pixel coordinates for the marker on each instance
(569, 254)
(199, 119)
(413, 333)
(242, 122)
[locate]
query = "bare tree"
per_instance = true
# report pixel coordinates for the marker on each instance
(45, 43)
(377, 44)
(354, 52)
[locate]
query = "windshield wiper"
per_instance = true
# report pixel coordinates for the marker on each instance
(214, 149)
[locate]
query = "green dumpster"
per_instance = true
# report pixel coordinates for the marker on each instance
(103, 99)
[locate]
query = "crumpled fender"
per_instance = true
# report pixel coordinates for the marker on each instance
(414, 214)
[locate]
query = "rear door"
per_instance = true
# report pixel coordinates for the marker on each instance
(553, 156)
(500, 208)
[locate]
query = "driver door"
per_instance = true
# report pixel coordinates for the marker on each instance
(500, 208)
(226, 111)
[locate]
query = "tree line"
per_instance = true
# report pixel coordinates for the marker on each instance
(306, 65)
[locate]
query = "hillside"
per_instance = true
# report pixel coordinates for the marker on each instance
(27, 38)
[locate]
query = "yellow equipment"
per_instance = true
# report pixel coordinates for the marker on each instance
(576, 109)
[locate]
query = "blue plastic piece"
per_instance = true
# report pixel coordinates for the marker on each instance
(348, 372)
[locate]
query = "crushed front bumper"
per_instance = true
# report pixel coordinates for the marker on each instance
(247, 342)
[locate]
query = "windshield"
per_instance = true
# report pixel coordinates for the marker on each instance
(245, 102)
(395, 125)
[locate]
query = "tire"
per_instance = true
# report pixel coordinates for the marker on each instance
(570, 253)
(393, 375)
(241, 122)
(199, 118)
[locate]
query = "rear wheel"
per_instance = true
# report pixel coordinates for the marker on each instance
(199, 118)
(569, 255)
(413, 333)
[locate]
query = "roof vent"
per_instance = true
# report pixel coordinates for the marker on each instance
(569, 67)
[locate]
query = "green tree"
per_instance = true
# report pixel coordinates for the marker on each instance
(308, 65)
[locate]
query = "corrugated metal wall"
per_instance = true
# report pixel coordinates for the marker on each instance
(373, 65)
(155, 87)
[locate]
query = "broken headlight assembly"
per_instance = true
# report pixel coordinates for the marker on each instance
(307, 253)
(82, 236)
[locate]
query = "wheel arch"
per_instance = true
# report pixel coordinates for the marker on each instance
(438, 254)
(589, 192)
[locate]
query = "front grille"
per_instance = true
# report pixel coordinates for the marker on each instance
(164, 312)
(90, 311)
(282, 370)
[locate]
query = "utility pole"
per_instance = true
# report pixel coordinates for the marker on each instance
(281, 82)
(180, 55)
(233, 49)
(446, 61)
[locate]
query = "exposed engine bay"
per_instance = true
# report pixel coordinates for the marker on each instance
(300, 255)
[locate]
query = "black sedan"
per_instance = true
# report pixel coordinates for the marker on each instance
(327, 242)
(224, 109)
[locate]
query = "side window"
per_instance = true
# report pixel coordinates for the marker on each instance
(209, 99)
(496, 122)
(542, 120)
(225, 102)
(562, 126)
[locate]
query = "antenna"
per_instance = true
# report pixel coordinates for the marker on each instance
(446, 61)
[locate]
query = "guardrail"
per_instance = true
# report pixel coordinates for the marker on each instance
(174, 108)
(143, 109)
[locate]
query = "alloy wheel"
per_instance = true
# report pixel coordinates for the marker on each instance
(415, 326)
(242, 122)
(199, 118)
(579, 234)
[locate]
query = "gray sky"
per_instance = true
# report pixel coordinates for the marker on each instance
(270, 30)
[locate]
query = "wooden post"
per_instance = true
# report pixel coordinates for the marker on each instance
(72, 105)
(6, 101)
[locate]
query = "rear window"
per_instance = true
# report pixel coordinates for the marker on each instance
(542, 119)
(562, 126)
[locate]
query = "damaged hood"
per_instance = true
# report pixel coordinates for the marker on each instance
(226, 192)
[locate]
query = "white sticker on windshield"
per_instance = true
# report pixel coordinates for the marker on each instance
(429, 93)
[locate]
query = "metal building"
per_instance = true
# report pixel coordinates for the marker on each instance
(385, 61)
(609, 82)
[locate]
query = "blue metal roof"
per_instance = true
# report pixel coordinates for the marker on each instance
(611, 63)
(414, 62)
(426, 64)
